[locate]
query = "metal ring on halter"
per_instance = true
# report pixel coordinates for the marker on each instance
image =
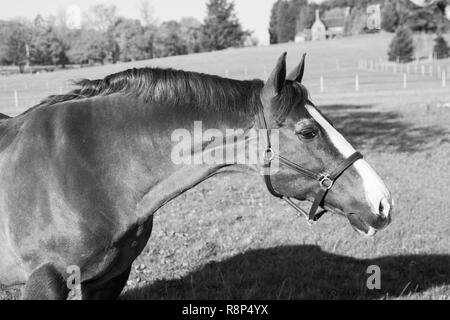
(268, 154)
(326, 182)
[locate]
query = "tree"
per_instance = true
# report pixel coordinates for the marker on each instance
(286, 22)
(191, 33)
(221, 28)
(58, 51)
(422, 19)
(47, 47)
(288, 17)
(100, 17)
(168, 40)
(17, 39)
(273, 24)
(306, 17)
(389, 17)
(441, 48)
(402, 46)
(129, 36)
(90, 46)
(145, 9)
(148, 41)
(357, 21)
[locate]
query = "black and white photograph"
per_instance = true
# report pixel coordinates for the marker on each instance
(224, 154)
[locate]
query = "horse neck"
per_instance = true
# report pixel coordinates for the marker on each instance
(171, 178)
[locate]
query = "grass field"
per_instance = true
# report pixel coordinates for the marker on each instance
(229, 239)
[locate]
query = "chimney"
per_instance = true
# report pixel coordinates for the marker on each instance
(347, 11)
(317, 15)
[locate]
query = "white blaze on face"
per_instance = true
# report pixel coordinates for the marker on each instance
(374, 187)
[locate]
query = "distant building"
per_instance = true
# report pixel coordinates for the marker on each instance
(300, 37)
(374, 17)
(329, 28)
(318, 29)
(335, 24)
(303, 36)
(335, 27)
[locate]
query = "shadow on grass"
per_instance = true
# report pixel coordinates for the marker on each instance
(381, 131)
(301, 272)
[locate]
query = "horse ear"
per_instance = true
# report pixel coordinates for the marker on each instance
(297, 74)
(277, 78)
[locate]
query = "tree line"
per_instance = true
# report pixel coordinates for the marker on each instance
(105, 37)
(288, 17)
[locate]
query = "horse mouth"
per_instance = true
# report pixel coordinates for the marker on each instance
(360, 225)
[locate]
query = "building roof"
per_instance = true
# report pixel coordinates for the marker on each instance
(334, 22)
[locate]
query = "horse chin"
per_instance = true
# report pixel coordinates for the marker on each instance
(361, 226)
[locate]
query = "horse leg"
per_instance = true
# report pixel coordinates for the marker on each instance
(106, 291)
(45, 283)
(111, 289)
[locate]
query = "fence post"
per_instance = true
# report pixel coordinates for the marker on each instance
(423, 70)
(16, 99)
(405, 84)
(444, 79)
(356, 83)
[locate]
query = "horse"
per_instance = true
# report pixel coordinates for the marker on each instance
(83, 173)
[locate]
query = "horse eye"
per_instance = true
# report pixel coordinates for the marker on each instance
(307, 133)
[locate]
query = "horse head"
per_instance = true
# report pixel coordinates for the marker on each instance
(316, 162)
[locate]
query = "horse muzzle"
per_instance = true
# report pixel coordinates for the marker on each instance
(369, 224)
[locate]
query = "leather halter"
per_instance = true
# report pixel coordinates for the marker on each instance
(325, 180)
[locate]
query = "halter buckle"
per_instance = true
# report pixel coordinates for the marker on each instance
(268, 155)
(326, 182)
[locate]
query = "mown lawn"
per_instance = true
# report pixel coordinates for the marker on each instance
(229, 239)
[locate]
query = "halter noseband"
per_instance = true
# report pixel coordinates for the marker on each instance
(326, 180)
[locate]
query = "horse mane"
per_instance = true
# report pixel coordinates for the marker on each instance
(170, 87)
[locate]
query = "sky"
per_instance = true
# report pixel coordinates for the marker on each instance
(253, 14)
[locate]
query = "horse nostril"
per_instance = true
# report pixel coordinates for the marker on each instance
(384, 208)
